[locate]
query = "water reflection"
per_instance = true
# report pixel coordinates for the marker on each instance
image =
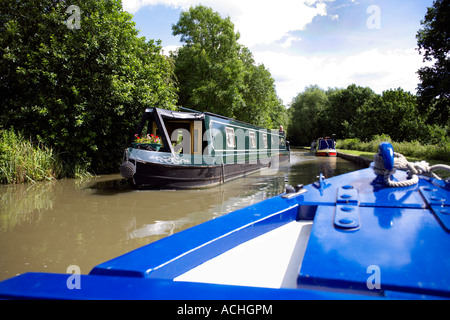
(48, 226)
(24, 203)
(157, 228)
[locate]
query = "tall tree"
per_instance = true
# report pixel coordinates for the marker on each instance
(262, 105)
(217, 74)
(305, 109)
(393, 113)
(434, 42)
(341, 111)
(208, 68)
(78, 88)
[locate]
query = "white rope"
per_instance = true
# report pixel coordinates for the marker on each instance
(413, 169)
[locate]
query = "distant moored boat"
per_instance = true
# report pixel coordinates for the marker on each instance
(326, 147)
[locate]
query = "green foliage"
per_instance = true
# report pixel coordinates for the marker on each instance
(394, 113)
(262, 105)
(341, 112)
(307, 109)
(217, 74)
(208, 67)
(414, 149)
(23, 161)
(434, 42)
(81, 91)
(357, 112)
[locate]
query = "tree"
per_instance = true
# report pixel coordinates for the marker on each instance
(305, 108)
(81, 91)
(217, 74)
(340, 113)
(394, 113)
(262, 105)
(434, 42)
(208, 67)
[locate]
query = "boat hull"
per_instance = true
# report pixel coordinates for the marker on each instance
(326, 153)
(174, 175)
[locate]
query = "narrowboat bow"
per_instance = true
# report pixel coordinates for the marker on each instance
(376, 233)
(199, 149)
(325, 147)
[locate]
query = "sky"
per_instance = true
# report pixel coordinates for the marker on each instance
(331, 43)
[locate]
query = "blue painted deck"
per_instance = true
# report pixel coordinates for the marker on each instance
(358, 225)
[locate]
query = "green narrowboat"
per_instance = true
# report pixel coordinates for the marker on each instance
(191, 149)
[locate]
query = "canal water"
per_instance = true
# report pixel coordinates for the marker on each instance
(48, 226)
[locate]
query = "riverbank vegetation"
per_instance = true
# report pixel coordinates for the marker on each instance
(360, 120)
(79, 90)
(359, 113)
(22, 160)
(414, 149)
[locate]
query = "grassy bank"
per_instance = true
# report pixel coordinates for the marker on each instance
(414, 150)
(21, 160)
(369, 155)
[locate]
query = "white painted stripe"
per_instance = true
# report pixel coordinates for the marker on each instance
(272, 260)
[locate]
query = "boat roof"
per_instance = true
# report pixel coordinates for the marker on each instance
(191, 114)
(169, 114)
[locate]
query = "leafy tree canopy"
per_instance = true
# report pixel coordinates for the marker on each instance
(357, 112)
(434, 43)
(217, 74)
(83, 89)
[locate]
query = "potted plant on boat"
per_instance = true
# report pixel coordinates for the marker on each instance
(152, 141)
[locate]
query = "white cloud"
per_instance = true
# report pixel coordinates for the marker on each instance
(131, 5)
(167, 49)
(258, 21)
(263, 22)
(288, 42)
(379, 70)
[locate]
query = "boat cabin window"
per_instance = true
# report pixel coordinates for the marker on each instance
(179, 133)
(252, 138)
(231, 141)
(264, 139)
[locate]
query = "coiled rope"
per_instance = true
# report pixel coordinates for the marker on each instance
(413, 169)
